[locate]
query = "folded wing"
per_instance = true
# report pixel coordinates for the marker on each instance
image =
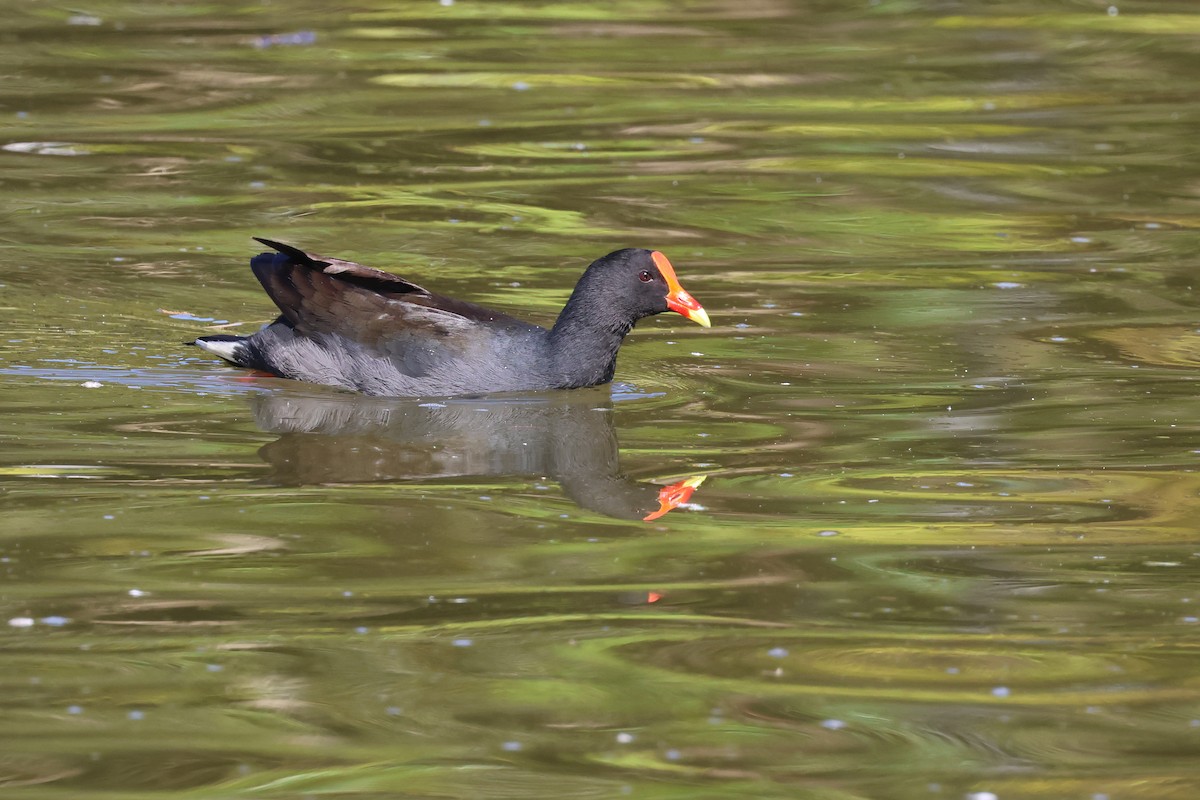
(380, 311)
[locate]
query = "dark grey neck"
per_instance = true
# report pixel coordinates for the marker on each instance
(584, 342)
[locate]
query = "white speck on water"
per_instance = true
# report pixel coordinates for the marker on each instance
(55, 621)
(829, 533)
(109, 516)
(1001, 691)
(521, 86)
(136, 593)
(1113, 11)
(511, 747)
(362, 629)
(91, 384)
(951, 670)
(785, 475)
(695, 353)
(672, 755)
(446, 3)
(1008, 285)
(964, 484)
(214, 667)
(347, 593)
(777, 652)
(21, 622)
(393, 711)
(983, 796)
(463, 642)
(833, 724)
(1081, 239)
(74, 709)
(432, 405)
(136, 715)
(624, 737)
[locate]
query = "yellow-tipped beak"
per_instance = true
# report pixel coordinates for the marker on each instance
(678, 299)
(697, 315)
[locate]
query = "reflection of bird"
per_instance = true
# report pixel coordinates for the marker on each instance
(359, 328)
(570, 438)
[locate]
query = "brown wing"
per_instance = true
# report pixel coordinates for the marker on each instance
(376, 308)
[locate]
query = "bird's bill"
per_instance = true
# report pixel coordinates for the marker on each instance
(678, 300)
(675, 495)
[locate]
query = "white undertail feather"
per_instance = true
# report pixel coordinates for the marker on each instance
(227, 350)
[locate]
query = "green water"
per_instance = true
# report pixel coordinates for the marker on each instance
(947, 545)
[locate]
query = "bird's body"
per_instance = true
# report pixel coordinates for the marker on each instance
(358, 328)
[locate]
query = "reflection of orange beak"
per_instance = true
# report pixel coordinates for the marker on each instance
(678, 300)
(674, 496)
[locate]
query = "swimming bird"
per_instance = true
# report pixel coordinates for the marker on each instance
(363, 329)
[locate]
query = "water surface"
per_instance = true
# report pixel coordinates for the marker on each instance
(946, 545)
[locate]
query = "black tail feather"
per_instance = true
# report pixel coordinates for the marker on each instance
(294, 253)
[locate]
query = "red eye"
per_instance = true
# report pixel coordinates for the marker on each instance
(644, 276)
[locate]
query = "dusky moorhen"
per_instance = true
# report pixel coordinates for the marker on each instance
(370, 331)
